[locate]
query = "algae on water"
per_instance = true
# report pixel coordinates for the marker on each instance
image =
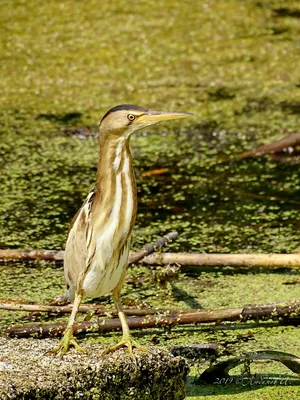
(233, 64)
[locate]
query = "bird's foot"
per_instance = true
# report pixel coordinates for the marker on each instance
(66, 342)
(128, 342)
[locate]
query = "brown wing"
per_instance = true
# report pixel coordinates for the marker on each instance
(75, 258)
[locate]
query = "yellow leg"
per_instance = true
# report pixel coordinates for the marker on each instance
(68, 338)
(126, 340)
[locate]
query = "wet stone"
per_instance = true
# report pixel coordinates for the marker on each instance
(26, 372)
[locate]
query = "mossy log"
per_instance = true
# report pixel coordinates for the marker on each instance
(27, 373)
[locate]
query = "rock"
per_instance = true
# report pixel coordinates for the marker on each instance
(27, 373)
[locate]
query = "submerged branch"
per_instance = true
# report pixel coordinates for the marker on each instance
(288, 142)
(257, 311)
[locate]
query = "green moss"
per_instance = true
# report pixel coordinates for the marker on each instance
(156, 375)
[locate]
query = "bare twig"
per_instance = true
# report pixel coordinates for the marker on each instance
(257, 311)
(151, 248)
(234, 260)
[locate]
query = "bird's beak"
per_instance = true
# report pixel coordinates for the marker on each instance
(153, 117)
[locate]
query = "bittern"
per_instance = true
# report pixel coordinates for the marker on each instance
(98, 242)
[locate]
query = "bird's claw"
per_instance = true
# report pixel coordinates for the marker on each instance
(126, 341)
(66, 342)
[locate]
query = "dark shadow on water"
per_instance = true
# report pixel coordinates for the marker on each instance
(293, 108)
(182, 295)
(286, 12)
(74, 116)
(221, 93)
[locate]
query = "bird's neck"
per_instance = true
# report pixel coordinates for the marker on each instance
(116, 187)
(114, 159)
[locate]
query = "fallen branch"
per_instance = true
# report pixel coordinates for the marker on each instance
(257, 311)
(184, 259)
(58, 255)
(233, 260)
(287, 143)
(100, 311)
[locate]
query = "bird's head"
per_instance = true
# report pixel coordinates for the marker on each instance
(123, 120)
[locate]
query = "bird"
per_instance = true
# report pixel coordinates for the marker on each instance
(98, 242)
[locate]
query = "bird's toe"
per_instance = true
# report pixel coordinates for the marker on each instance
(127, 342)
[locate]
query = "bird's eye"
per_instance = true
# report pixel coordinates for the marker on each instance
(131, 117)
